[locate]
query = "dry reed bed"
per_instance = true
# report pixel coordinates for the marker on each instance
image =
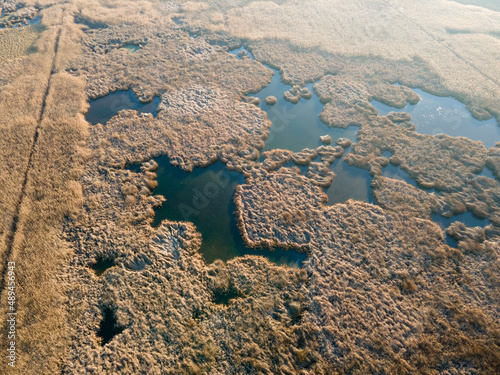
(300, 65)
(372, 275)
(50, 192)
(173, 285)
(439, 161)
(399, 196)
(20, 104)
(274, 210)
(445, 163)
(463, 65)
(348, 99)
(376, 274)
(168, 60)
(16, 43)
(165, 296)
(194, 127)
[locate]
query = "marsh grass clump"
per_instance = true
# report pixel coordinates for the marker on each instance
(292, 95)
(399, 116)
(305, 93)
(138, 263)
(344, 142)
(13, 14)
(304, 157)
(440, 161)
(399, 196)
(271, 100)
(408, 286)
(326, 139)
(251, 100)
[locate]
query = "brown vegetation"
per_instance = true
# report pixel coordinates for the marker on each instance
(194, 127)
(174, 60)
(271, 100)
(379, 292)
(390, 273)
(49, 137)
(401, 197)
(17, 42)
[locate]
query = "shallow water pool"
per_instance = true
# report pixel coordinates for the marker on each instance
(205, 198)
(132, 47)
(434, 115)
(103, 109)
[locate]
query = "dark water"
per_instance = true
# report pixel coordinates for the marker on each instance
(349, 183)
(109, 327)
(224, 297)
(103, 109)
(434, 115)
(467, 218)
(296, 126)
(395, 172)
(205, 198)
(486, 172)
(102, 264)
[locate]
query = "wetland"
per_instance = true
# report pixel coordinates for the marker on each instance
(177, 205)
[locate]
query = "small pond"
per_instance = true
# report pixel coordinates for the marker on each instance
(132, 47)
(434, 115)
(8, 17)
(205, 198)
(103, 109)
